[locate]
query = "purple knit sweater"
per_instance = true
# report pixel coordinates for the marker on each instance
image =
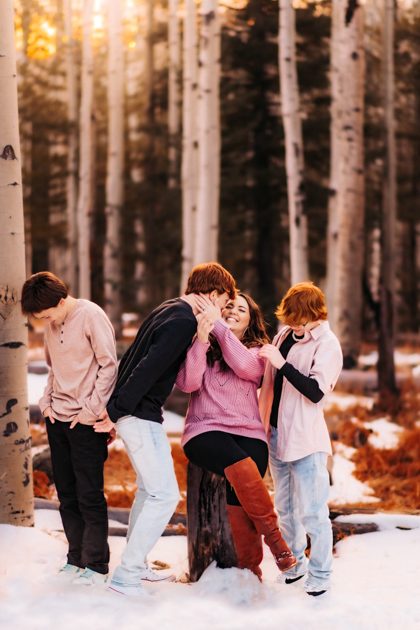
(222, 400)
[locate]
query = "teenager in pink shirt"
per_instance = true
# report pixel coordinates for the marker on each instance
(80, 352)
(303, 365)
(223, 431)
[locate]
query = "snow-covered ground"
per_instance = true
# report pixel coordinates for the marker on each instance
(374, 587)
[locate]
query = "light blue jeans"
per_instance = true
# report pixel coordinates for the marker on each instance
(301, 495)
(156, 498)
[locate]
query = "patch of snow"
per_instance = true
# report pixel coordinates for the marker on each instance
(385, 521)
(173, 423)
(130, 332)
(36, 386)
(400, 358)
(372, 589)
(344, 401)
(346, 488)
(129, 317)
(385, 434)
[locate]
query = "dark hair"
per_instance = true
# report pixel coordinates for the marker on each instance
(255, 334)
(42, 291)
(209, 277)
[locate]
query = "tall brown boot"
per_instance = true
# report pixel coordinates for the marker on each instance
(250, 489)
(248, 543)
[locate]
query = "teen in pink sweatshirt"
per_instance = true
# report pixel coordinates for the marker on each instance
(223, 431)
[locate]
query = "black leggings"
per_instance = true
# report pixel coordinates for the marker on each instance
(215, 450)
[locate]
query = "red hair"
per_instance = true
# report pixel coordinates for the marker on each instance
(302, 303)
(209, 277)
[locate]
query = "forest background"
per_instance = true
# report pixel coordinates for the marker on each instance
(253, 223)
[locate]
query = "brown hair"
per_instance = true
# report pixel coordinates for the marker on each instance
(209, 277)
(255, 334)
(41, 291)
(302, 302)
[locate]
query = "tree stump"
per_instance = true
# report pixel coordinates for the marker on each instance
(209, 534)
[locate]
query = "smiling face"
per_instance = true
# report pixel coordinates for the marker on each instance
(236, 315)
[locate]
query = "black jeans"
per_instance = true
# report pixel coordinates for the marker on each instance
(215, 450)
(78, 456)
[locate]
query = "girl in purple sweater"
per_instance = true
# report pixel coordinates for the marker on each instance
(223, 431)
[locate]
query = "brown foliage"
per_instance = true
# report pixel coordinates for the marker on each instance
(41, 488)
(393, 474)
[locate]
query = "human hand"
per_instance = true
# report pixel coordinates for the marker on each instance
(272, 354)
(74, 422)
(204, 327)
(205, 305)
(48, 413)
(105, 425)
(111, 436)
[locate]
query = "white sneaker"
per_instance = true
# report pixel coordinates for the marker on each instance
(155, 576)
(69, 570)
(130, 591)
(90, 578)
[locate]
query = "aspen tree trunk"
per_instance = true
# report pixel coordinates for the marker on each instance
(346, 258)
(84, 204)
(115, 168)
(72, 152)
(26, 147)
(135, 70)
(205, 246)
(16, 493)
(189, 173)
(336, 88)
(299, 270)
(386, 367)
(174, 96)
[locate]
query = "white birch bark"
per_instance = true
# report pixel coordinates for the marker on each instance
(115, 168)
(294, 144)
(72, 151)
(84, 203)
(205, 246)
(174, 96)
(16, 492)
(135, 73)
(346, 258)
(386, 367)
(189, 169)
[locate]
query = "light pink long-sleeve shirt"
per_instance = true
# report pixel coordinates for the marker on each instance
(301, 424)
(222, 400)
(83, 364)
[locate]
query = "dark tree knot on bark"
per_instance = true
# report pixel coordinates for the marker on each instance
(8, 153)
(12, 344)
(11, 427)
(350, 11)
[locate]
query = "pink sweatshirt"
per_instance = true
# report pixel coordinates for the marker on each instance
(83, 364)
(222, 401)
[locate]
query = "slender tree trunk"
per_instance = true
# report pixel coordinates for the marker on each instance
(114, 182)
(205, 247)
(189, 139)
(84, 204)
(72, 151)
(386, 367)
(294, 144)
(174, 96)
(16, 493)
(26, 146)
(346, 257)
(135, 71)
(337, 22)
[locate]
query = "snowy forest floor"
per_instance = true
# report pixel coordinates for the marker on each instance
(374, 587)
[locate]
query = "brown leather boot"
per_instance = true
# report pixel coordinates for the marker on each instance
(248, 543)
(250, 489)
